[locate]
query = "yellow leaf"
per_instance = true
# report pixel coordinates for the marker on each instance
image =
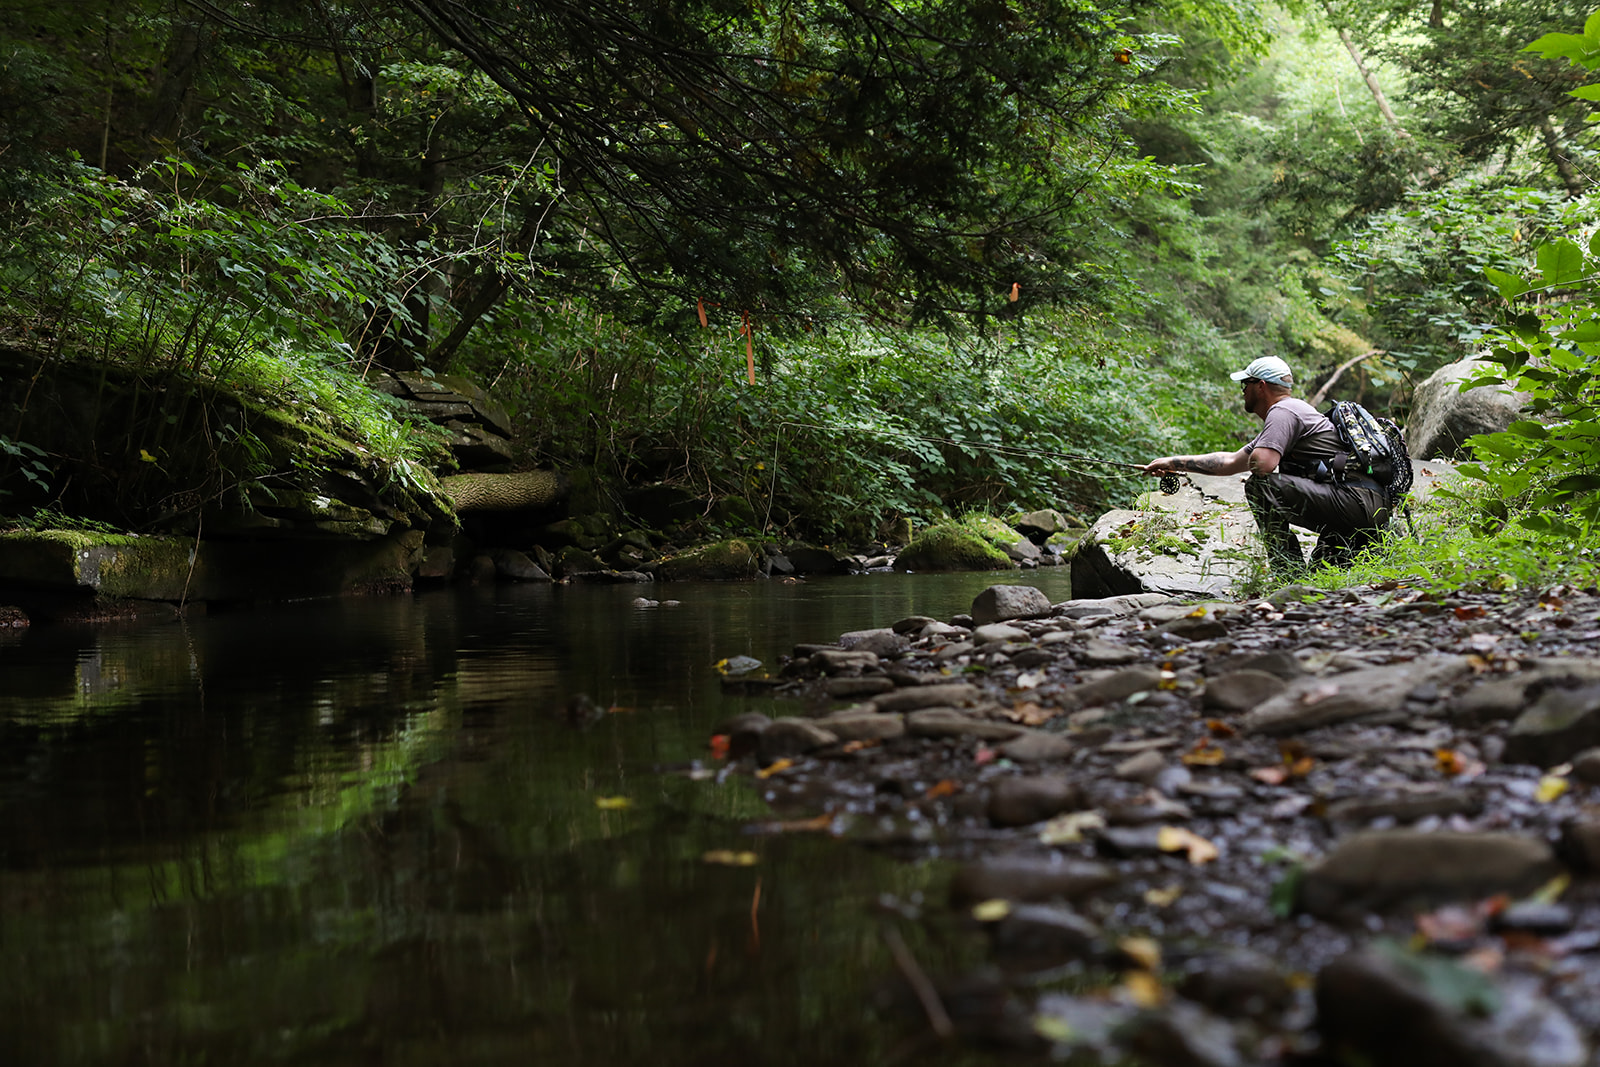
(1162, 898)
(1551, 891)
(1205, 754)
(1550, 787)
(1177, 839)
(146, 457)
(724, 857)
(1143, 951)
(991, 910)
(1069, 829)
(612, 803)
(1198, 613)
(775, 767)
(1053, 1028)
(1143, 988)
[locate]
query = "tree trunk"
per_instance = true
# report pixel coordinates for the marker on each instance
(173, 98)
(1558, 156)
(1372, 84)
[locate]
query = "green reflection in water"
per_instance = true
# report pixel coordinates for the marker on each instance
(365, 831)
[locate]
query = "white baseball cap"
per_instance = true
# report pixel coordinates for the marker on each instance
(1266, 369)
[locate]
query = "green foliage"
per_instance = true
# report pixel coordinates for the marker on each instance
(1421, 273)
(28, 460)
(253, 281)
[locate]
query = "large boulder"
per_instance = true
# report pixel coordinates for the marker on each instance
(1443, 417)
(1198, 542)
(732, 560)
(950, 546)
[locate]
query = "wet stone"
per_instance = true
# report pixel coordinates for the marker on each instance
(1036, 746)
(1002, 603)
(915, 624)
(839, 661)
(1396, 1009)
(1037, 937)
(1241, 690)
(1182, 1033)
(998, 633)
(1118, 686)
(786, 738)
(1562, 723)
(1028, 878)
(951, 694)
(849, 688)
(1105, 654)
(1278, 664)
(1378, 869)
(858, 726)
(883, 643)
(1022, 801)
(1238, 983)
(948, 722)
(1586, 766)
(1143, 768)
(1321, 701)
(1580, 841)
(1407, 805)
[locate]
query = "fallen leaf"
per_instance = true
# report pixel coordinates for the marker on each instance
(1053, 1028)
(943, 788)
(1552, 602)
(858, 745)
(1069, 829)
(612, 803)
(1449, 762)
(1474, 612)
(1177, 839)
(1198, 613)
(989, 911)
(1168, 682)
(1276, 775)
(1205, 753)
(1028, 713)
(1551, 891)
(1301, 767)
(1453, 924)
(1483, 642)
(775, 767)
(1143, 989)
(1030, 679)
(719, 746)
(1161, 898)
(1145, 952)
(723, 857)
(1318, 693)
(984, 755)
(1219, 728)
(1551, 786)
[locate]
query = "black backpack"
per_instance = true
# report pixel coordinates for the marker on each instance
(1377, 447)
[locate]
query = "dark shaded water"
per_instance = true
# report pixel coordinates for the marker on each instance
(364, 832)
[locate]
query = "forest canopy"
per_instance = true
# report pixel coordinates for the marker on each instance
(682, 237)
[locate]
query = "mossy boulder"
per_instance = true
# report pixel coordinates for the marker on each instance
(955, 546)
(731, 560)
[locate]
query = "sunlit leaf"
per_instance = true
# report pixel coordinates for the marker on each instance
(1143, 989)
(1162, 898)
(989, 911)
(1145, 952)
(1205, 753)
(1551, 786)
(1069, 829)
(612, 803)
(775, 767)
(1178, 839)
(723, 857)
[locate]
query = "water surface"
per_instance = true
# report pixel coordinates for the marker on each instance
(367, 831)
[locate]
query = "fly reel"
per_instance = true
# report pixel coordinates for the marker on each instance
(1170, 484)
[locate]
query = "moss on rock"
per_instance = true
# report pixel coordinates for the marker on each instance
(480, 491)
(954, 546)
(732, 560)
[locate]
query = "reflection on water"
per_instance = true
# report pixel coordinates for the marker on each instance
(365, 831)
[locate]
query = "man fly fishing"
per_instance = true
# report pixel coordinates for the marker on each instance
(1297, 474)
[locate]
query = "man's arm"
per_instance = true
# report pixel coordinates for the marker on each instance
(1264, 461)
(1210, 463)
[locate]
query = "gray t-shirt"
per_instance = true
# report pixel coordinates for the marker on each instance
(1299, 433)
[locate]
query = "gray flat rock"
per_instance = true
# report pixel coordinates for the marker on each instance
(1378, 869)
(1320, 701)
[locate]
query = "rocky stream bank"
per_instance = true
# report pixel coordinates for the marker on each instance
(1319, 828)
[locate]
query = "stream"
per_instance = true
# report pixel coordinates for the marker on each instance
(383, 830)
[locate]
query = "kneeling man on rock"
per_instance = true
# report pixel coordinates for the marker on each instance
(1296, 475)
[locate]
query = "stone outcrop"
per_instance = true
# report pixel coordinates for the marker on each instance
(1443, 417)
